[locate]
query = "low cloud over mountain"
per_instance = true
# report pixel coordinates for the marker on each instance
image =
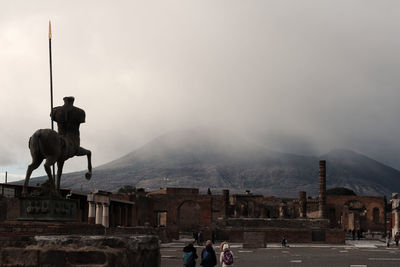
(220, 160)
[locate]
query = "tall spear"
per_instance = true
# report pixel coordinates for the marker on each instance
(51, 79)
(51, 89)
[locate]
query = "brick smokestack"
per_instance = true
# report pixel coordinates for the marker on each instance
(322, 189)
(303, 204)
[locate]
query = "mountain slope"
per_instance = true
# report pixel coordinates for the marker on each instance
(217, 161)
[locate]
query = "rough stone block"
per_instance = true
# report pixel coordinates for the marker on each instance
(105, 251)
(19, 257)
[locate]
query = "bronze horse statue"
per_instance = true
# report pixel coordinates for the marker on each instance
(47, 144)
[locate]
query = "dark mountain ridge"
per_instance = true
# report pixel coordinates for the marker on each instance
(218, 161)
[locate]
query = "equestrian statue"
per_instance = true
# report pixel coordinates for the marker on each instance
(47, 144)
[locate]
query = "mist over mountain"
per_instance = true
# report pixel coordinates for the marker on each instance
(220, 160)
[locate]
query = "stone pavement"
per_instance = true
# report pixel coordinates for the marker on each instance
(362, 253)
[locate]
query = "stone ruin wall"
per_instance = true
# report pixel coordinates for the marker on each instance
(60, 251)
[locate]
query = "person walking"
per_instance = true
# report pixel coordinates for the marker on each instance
(208, 257)
(201, 238)
(397, 238)
(284, 241)
(196, 237)
(388, 239)
(189, 256)
(226, 256)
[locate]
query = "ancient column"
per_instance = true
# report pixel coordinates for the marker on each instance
(303, 204)
(105, 218)
(322, 189)
(99, 213)
(119, 216)
(126, 216)
(282, 210)
(395, 213)
(92, 212)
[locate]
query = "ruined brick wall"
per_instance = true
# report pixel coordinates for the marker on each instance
(174, 204)
(217, 207)
(374, 211)
(144, 211)
(257, 206)
(271, 207)
(182, 191)
(312, 208)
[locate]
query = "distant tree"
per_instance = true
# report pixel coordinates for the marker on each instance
(126, 189)
(340, 191)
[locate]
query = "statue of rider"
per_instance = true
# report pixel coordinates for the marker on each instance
(69, 118)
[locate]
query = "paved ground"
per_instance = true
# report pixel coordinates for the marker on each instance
(353, 254)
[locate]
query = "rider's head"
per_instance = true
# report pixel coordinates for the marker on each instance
(69, 100)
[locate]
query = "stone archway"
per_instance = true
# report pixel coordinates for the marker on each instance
(356, 215)
(189, 216)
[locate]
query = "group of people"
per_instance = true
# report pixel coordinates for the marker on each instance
(208, 257)
(355, 232)
(198, 238)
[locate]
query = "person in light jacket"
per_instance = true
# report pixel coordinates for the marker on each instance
(225, 249)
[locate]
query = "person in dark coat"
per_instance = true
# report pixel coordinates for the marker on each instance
(201, 238)
(190, 248)
(208, 257)
(196, 237)
(284, 241)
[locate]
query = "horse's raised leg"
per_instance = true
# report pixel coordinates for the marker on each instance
(82, 152)
(60, 165)
(47, 167)
(33, 166)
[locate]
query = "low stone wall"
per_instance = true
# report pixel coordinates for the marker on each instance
(256, 232)
(259, 237)
(60, 251)
(30, 228)
(161, 232)
(335, 236)
(276, 223)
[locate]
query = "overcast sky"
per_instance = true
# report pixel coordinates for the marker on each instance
(297, 75)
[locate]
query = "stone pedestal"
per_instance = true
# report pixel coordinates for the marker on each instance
(254, 240)
(48, 209)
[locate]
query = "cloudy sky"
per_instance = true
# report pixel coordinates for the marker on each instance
(306, 76)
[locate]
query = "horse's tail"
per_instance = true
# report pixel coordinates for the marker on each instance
(34, 142)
